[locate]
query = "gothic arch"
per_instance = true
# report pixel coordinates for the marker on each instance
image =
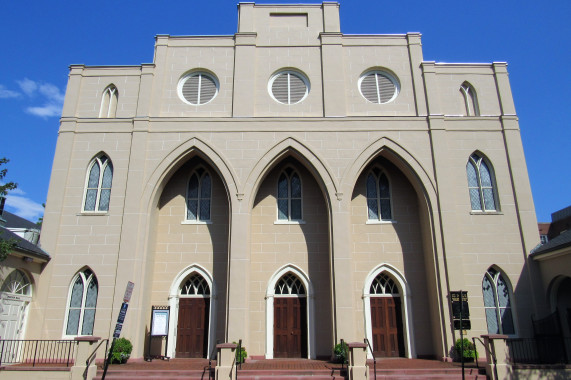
(290, 146)
(173, 303)
(299, 273)
(404, 290)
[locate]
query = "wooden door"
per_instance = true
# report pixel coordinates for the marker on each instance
(192, 329)
(386, 322)
(290, 332)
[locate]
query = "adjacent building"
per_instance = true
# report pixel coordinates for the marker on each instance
(290, 186)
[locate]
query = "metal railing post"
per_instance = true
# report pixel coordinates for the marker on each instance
(374, 359)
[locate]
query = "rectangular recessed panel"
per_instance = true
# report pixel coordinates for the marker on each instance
(289, 20)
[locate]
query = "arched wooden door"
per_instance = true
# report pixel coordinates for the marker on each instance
(290, 318)
(193, 318)
(386, 318)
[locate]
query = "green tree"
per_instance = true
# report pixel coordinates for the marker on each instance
(6, 245)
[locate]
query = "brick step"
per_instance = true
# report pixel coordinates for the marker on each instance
(427, 374)
(297, 374)
(154, 374)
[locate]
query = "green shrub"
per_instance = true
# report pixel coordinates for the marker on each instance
(470, 352)
(340, 352)
(121, 351)
(241, 355)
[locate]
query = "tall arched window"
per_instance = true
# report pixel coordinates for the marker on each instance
(289, 195)
(497, 302)
(470, 99)
(378, 196)
(109, 102)
(481, 184)
(82, 304)
(198, 196)
(98, 186)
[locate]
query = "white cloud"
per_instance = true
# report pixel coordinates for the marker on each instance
(23, 207)
(52, 97)
(5, 93)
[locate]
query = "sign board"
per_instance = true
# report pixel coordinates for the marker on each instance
(466, 324)
(460, 305)
(128, 292)
(160, 326)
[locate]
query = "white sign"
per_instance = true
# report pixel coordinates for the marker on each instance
(160, 325)
(128, 291)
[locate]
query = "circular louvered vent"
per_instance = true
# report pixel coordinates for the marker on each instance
(288, 87)
(378, 87)
(198, 88)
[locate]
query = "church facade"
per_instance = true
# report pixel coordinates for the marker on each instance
(290, 186)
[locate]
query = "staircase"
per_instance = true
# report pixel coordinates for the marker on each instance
(427, 374)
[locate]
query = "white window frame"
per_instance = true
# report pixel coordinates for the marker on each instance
(86, 282)
(200, 74)
(289, 219)
(468, 92)
(109, 102)
(494, 187)
(296, 73)
(497, 307)
(102, 166)
(198, 219)
(386, 74)
(380, 219)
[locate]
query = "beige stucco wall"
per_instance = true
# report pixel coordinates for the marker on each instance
(243, 136)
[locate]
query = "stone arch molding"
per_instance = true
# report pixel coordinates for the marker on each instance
(177, 157)
(173, 303)
(372, 151)
(316, 166)
(406, 305)
(290, 268)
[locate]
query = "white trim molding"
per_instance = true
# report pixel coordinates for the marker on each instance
(174, 296)
(270, 293)
(406, 304)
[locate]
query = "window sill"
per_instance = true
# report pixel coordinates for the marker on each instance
(381, 222)
(289, 222)
(93, 213)
(486, 212)
(196, 222)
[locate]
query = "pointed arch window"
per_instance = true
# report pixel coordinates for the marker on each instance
(195, 285)
(17, 283)
(289, 284)
(497, 303)
(109, 102)
(199, 196)
(98, 186)
(384, 285)
(289, 196)
(82, 304)
(378, 196)
(470, 99)
(481, 184)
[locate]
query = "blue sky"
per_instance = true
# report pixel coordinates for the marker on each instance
(42, 38)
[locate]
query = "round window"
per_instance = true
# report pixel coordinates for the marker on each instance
(378, 87)
(198, 88)
(288, 87)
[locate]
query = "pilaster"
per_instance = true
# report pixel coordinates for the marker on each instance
(334, 104)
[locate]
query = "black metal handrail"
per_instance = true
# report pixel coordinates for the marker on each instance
(93, 355)
(27, 351)
(373, 355)
(538, 350)
(494, 360)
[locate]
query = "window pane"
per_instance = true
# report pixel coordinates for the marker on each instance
(91, 298)
(488, 291)
(503, 293)
(296, 209)
(485, 174)
(90, 199)
(507, 321)
(104, 200)
(72, 322)
(371, 187)
(489, 202)
(492, 320)
(295, 186)
(205, 187)
(384, 186)
(282, 187)
(192, 208)
(472, 176)
(386, 209)
(94, 176)
(88, 320)
(282, 209)
(193, 187)
(475, 199)
(76, 293)
(107, 177)
(373, 209)
(205, 209)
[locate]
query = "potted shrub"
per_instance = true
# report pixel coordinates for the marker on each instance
(340, 352)
(241, 355)
(470, 353)
(121, 351)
